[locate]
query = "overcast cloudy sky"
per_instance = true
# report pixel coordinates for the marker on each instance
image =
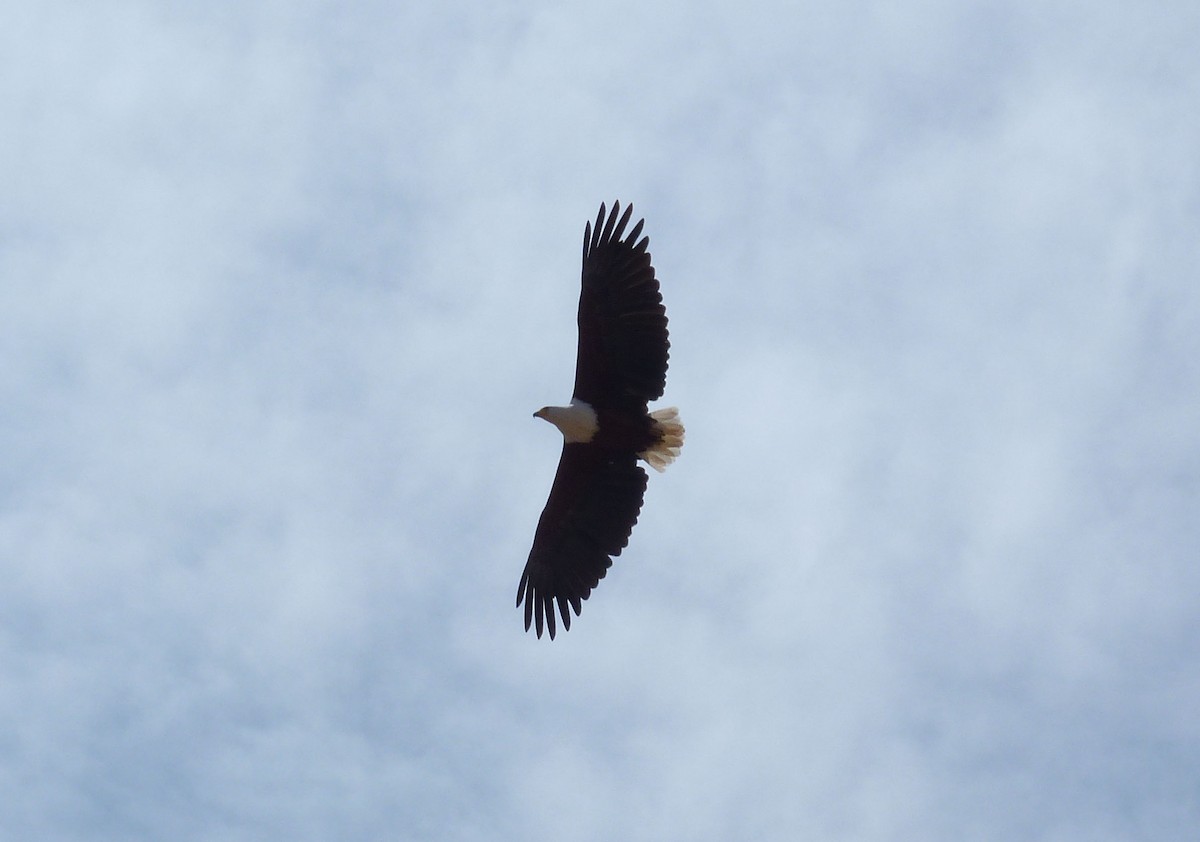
(281, 284)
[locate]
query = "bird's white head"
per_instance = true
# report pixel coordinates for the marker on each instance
(577, 422)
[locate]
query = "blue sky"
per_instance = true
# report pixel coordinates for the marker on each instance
(282, 283)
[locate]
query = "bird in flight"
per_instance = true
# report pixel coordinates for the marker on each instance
(621, 366)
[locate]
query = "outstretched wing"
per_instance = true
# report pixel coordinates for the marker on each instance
(593, 505)
(623, 344)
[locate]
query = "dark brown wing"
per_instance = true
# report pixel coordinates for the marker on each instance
(593, 506)
(623, 344)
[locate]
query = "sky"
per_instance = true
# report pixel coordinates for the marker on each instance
(281, 285)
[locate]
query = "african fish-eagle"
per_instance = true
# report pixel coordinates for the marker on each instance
(621, 366)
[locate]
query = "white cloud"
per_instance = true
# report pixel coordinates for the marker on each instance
(280, 286)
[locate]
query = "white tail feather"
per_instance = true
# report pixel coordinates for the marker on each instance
(670, 439)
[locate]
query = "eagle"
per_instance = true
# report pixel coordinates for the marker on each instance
(620, 366)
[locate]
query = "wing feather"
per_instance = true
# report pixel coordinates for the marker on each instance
(623, 340)
(593, 506)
